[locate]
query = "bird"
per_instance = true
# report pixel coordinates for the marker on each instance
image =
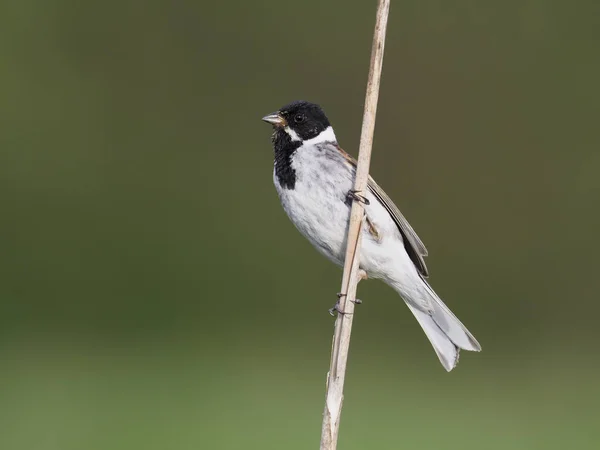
(314, 179)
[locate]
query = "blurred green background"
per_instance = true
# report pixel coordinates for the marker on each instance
(155, 296)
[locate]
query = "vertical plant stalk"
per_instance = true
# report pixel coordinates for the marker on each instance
(352, 274)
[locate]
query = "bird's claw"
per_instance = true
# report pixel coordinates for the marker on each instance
(336, 308)
(353, 195)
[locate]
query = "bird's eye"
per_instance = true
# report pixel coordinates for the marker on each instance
(299, 118)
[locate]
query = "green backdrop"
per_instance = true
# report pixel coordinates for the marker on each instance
(153, 293)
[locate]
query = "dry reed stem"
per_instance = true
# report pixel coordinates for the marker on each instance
(351, 277)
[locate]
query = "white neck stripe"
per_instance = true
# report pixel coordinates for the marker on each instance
(326, 135)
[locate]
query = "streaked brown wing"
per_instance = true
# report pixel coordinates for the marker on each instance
(413, 245)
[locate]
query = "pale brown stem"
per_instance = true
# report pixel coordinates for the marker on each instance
(352, 275)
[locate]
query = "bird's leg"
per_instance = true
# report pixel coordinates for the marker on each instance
(356, 301)
(336, 307)
(354, 195)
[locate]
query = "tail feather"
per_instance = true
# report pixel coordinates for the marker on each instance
(450, 325)
(443, 329)
(446, 350)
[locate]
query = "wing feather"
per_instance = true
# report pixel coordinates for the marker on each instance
(413, 245)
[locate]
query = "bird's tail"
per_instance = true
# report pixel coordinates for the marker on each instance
(443, 329)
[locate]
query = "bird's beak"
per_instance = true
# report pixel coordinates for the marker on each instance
(275, 119)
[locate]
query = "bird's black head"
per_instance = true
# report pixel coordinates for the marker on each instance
(293, 126)
(301, 120)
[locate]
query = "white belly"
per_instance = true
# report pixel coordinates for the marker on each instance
(316, 204)
(317, 207)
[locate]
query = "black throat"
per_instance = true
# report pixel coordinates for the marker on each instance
(284, 149)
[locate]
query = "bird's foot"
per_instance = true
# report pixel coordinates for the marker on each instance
(336, 307)
(354, 195)
(356, 301)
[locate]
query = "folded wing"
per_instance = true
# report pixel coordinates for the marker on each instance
(413, 245)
